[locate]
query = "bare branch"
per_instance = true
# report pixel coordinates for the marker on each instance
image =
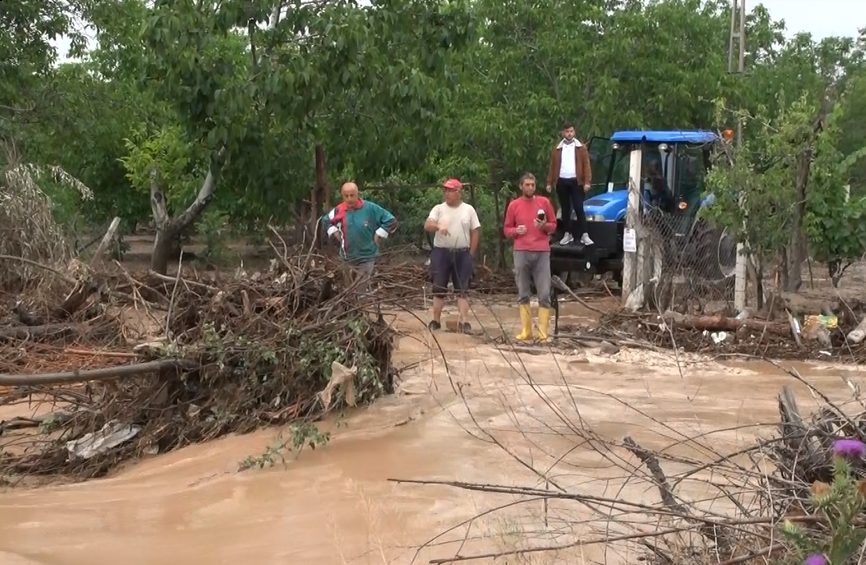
(97, 374)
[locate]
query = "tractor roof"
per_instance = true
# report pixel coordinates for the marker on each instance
(674, 136)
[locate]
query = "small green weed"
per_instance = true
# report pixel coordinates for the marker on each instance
(304, 434)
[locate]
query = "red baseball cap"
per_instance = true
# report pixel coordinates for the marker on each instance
(452, 184)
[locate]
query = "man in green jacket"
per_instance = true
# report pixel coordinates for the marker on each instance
(360, 226)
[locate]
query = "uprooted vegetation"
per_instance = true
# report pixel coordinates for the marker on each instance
(30, 236)
(231, 356)
(794, 335)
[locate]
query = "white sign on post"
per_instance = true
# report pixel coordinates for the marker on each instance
(629, 240)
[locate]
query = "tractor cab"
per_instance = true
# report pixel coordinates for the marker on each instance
(673, 167)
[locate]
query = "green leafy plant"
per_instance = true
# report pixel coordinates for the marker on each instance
(213, 227)
(835, 223)
(301, 435)
(841, 503)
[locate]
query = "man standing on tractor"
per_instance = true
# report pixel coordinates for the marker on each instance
(455, 244)
(360, 227)
(529, 221)
(571, 173)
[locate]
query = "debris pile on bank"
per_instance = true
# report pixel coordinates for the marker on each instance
(220, 355)
(834, 332)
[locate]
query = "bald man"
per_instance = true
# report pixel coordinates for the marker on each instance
(360, 226)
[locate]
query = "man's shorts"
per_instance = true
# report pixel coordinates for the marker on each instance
(453, 265)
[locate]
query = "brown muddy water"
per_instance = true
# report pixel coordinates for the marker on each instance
(336, 505)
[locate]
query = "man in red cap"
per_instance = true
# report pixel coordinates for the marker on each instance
(455, 244)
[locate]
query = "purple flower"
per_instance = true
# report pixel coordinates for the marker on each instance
(849, 448)
(815, 559)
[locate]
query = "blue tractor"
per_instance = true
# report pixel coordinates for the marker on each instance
(673, 166)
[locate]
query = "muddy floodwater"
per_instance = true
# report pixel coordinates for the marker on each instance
(471, 415)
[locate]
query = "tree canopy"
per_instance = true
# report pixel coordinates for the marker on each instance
(255, 94)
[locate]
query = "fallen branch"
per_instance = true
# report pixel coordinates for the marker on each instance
(666, 492)
(252, 347)
(557, 282)
(655, 469)
(27, 332)
(103, 374)
(62, 276)
(110, 234)
(762, 552)
(75, 299)
(20, 423)
(167, 278)
(722, 323)
(91, 353)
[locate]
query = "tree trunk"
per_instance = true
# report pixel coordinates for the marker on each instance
(797, 243)
(836, 270)
(719, 323)
(318, 201)
(755, 269)
(164, 249)
(168, 229)
(493, 182)
(782, 269)
(796, 246)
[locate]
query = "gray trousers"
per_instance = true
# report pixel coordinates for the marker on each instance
(364, 268)
(363, 271)
(532, 267)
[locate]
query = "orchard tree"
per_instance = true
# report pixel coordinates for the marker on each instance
(852, 124)
(257, 85)
(836, 220)
(84, 131)
(27, 28)
(606, 65)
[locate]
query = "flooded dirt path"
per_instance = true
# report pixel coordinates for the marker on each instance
(336, 505)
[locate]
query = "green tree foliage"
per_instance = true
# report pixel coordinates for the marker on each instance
(755, 194)
(836, 222)
(26, 54)
(361, 80)
(419, 90)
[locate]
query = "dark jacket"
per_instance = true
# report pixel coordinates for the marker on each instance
(581, 162)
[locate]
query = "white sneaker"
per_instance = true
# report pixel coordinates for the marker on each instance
(566, 239)
(584, 239)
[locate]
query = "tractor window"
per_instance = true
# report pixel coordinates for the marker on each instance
(601, 154)
(619, 175)
(690, 177)
(656, 174)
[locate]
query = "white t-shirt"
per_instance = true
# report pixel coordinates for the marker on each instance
(568, 165)
(458, 220)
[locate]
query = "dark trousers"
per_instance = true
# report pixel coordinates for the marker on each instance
(453, 265)
(570, 195)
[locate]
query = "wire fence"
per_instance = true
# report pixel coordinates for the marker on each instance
(689, 262)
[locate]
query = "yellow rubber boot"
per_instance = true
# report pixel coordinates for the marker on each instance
(543, 323)
(525, 323)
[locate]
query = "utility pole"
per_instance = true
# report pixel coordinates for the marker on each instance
(738, 33)
(631, 245)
